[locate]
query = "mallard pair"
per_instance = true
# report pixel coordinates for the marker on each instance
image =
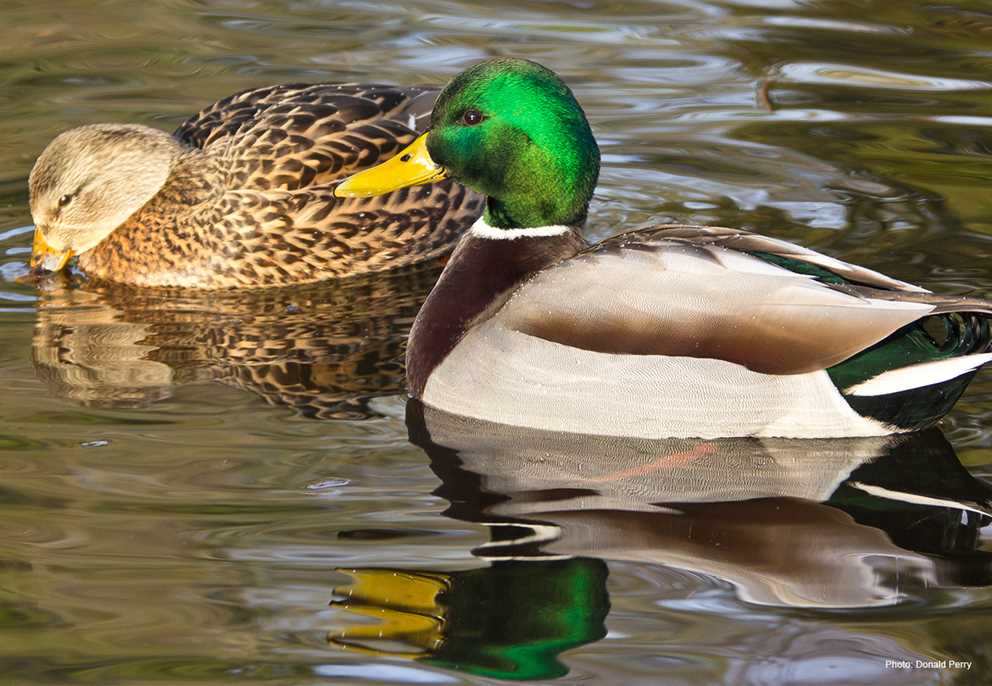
(666, 331)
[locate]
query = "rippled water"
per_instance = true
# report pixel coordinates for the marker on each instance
(232, 488)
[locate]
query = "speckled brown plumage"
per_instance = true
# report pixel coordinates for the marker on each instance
(250, 203)
(323, 350)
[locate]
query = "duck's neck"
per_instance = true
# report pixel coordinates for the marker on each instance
(488, 264)
(196, 177)
(552, 195)
(165, 225)
(532, 213)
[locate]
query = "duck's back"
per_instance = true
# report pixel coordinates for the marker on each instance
(684, 331)
(297, 136)
(251, 204)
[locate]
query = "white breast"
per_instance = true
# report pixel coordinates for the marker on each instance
(504, 376)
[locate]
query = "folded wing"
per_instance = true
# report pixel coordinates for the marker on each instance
(715, 293)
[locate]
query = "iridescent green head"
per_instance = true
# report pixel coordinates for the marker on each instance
(512, 129)
(508, 128)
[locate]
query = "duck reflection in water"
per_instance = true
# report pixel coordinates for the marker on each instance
(324, 350)
(819, 525)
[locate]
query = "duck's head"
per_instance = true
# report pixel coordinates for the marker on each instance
(508, 128)
(90, 180)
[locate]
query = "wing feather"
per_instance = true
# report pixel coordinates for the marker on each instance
(294, 136)
(663, 292)
(741, 241)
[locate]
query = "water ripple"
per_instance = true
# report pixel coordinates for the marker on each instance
(203, 541)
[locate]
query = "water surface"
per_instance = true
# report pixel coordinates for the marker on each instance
(207, 490)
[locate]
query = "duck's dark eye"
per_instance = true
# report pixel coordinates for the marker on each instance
(65, 200)
(472, 116)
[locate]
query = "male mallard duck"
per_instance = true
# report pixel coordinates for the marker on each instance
(670, 331)
(240, 195)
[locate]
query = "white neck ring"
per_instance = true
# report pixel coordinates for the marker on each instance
(482, 229)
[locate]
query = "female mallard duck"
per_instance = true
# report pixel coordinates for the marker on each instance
(240, 195)
(670, 331)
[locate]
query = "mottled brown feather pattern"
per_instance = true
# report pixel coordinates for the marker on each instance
(251, 204)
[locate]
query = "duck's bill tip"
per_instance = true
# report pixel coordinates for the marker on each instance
(45, 258)
(412, 166)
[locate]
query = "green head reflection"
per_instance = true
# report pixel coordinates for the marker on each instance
(510, 621)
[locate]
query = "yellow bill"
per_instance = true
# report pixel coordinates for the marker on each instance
(412, 166)
(46, 258)
(410, 621)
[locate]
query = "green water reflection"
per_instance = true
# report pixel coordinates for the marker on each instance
(506, 621)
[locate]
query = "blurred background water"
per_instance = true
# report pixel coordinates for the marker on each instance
(220, 489)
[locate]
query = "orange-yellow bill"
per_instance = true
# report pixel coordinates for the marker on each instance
(412, 166)
(46, 258)
(411, 620)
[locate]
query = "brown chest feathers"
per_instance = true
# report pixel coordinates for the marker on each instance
(481, 275)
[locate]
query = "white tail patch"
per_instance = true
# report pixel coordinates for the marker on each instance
(918, 375)
(541, 533)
